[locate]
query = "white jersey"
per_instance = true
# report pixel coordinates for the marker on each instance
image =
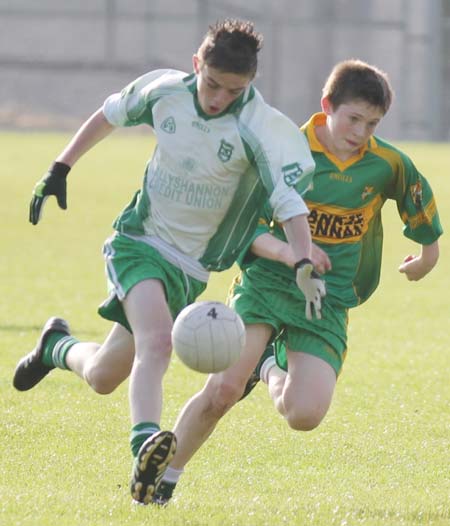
(205, 186)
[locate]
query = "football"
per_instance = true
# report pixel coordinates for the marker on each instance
(208, 336)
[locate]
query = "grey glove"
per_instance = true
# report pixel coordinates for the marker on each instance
(312, 286)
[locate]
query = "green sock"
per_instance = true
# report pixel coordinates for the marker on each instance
(56, 348)
(139, 434)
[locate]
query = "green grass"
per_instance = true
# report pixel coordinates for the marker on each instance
(381, 457)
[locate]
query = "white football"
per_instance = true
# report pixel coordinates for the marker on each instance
(208, 336)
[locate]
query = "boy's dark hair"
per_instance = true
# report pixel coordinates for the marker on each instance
(231, 46)
(356, 80)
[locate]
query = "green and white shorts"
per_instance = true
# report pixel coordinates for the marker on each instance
(128, 262)
(262, 297)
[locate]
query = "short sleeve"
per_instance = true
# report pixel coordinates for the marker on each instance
(415, 203)
(282, 157)
(133, 105)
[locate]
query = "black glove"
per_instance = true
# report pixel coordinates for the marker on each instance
(53, 183)
(313, 288)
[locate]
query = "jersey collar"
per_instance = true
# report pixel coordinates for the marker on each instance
(235, 107)
(319, 119)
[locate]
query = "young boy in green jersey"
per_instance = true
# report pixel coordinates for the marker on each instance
(356, 172)
(221, 152)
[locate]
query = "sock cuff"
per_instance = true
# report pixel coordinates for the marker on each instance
(139, 434)
(172, 475)
(143, 426)
(60, 350)
(265, 368)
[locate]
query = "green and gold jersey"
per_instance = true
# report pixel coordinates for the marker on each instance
(205, 186)
(345, 213)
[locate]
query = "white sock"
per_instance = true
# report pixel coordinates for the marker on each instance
(172, 475)
(265, 368)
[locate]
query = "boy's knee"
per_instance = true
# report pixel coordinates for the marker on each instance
(222, 396)
(304, 420)
(155, 347)
(100, 381)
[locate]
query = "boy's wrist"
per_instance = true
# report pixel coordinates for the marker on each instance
(59, 169)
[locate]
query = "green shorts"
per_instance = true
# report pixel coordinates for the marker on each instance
(128, 262)
(261, 297)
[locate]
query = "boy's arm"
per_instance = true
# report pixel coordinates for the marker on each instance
(54, 183)
(131, 107)
(95, 129)
(268, 246)
(417, 267)
(299, 236)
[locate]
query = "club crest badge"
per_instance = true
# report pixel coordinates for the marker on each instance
(225, 151)
(368, 190)
(168, 125)
(416, 194)
(291, 173)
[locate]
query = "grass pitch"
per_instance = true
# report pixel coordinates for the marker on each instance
(381, 457)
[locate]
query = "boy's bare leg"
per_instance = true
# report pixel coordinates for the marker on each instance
(151, 321)
(106, 366)
(303, 396)
(202, 412)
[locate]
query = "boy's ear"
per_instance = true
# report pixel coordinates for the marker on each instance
(327, 108)
(196, 64)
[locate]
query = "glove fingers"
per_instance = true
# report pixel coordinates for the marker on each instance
(322, 289)
(36, 206)
(313, 288)
(308, 312)
(62, 200)
(30, 213)
(318, 308)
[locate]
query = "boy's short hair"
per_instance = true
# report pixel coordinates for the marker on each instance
(356, 80)
(231, 46)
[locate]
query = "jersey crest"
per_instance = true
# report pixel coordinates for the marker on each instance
(368, 190)
(291, 173)
(168, 125)
(225, 151)
(416, 195)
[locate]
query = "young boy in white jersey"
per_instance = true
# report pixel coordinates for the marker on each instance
(221, 152)
(356, 172)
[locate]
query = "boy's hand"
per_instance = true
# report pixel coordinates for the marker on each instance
(313, 288)
(320, 259)
(53, 183)
(415, 267)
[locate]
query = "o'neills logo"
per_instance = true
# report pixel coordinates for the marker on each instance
(336, 225)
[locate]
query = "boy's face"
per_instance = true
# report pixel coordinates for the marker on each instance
(216, 90)
(350, 125)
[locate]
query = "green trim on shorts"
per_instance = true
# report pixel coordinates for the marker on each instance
(261, 297)
(128, 262)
